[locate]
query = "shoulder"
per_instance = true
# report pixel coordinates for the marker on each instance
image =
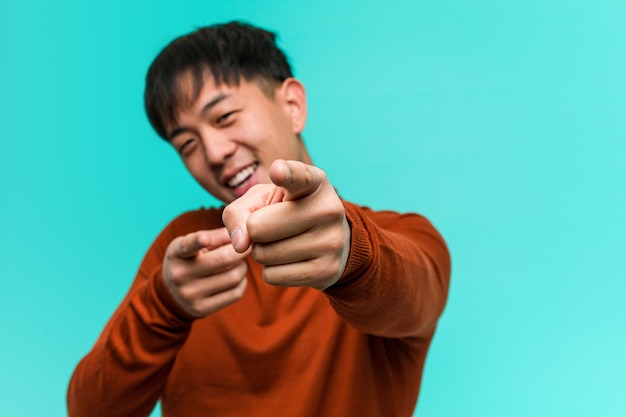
(385, 218)
(208, 217)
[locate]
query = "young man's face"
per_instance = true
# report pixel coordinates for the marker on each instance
(230, 135)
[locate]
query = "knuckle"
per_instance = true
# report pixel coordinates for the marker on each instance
(258, 253)
(233, 277)
(174, 247)
(335, 267)
(220, 258)
(189, 295)
(205, 306)
(224, 257)
(307, 277)
(238, 292)
(314, 176)
(240, 268)
(337, 241)
(269, 276)
(252, 226)
(176, 274)
(331, 213)
(325, 272)
(199, 307)
(227, 214)
(186, 243)
(311, 176)
(320, 174)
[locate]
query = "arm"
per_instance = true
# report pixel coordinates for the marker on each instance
(125, 372)
(386, 274)
(395, 283)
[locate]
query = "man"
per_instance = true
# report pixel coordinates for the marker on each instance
(287, 302)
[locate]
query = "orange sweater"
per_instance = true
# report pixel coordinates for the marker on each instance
(356, 349)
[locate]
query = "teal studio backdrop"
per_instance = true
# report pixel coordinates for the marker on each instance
(502, 121)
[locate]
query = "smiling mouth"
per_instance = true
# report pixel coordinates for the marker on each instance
(242, 176)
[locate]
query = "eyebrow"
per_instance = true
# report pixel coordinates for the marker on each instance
(207, 107)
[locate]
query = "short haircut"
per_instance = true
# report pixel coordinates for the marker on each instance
(227, 51)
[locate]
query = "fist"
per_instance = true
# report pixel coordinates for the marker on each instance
(203, 272)
(296, 226)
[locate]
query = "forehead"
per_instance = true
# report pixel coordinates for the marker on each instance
(189, 89)
(194, 92)
(189, 85)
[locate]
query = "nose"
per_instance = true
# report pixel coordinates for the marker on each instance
(217, 147)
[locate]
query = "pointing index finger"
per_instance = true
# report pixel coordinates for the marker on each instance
(189, 245)
(297, 178)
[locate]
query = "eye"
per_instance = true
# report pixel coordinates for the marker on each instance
(225, 118)
(187, 147)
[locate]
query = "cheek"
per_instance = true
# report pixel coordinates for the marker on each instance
(197, 167)
(193, 166)
(263, 176)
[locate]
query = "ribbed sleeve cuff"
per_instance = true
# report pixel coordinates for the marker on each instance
(360, 259)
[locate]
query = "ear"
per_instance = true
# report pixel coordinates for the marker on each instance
(294, 102)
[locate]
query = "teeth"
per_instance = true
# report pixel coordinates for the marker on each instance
(241, 176)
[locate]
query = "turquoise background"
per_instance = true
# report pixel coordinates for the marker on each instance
(502, 121)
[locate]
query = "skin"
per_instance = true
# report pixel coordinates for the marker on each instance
(286, 213)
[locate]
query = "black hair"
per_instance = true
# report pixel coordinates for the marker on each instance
(228, 51)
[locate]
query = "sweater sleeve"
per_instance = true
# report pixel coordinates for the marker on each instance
(396, 280)
(127, 368)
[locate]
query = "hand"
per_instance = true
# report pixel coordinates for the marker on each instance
(296, 226)
(203, 272)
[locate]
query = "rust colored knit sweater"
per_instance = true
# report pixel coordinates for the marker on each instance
(356, 349)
